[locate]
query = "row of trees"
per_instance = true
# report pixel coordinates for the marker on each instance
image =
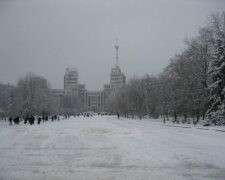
(192, 85)
(33, 96)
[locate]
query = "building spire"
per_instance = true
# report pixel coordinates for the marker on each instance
(117, 48)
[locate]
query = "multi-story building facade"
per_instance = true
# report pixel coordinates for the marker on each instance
(6, 88)
(62, 92)
(81, 95)
(94, 101)
(117, 79)
(106, 91)
(71, 80)
(91, 100)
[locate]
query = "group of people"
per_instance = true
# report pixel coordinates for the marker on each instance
(31, 119)
(16, 120)
(88, 114)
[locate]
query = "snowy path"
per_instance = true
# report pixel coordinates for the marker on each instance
(107, 148)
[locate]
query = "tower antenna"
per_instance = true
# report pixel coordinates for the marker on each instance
(117, 48)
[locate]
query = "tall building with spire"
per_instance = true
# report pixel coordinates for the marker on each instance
(117, 78)
(91, 100)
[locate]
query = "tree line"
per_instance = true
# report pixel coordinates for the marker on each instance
(192, 86)
(32, 96)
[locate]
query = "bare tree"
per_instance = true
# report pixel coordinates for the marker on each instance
(32, 96)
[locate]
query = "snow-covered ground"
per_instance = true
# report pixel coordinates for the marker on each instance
(104, 147)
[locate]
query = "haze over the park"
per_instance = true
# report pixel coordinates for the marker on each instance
(45, 37)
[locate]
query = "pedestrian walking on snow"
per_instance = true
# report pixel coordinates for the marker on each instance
(39, 120)
(10, 120)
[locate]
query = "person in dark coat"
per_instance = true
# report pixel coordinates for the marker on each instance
(39, 120)
(10, 120)
(55, 117)
(17, 120)
(26, 120)
(31, 120)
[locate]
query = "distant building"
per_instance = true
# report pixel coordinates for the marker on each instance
(62, 92)
(6, 88)
(81, 91)
(94, 101)
(117, 79)
(81, 95)
(106, 91)
(70, 84)
(91, 100)
(71, 80)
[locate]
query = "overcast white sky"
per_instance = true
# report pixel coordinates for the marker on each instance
(47, 36)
